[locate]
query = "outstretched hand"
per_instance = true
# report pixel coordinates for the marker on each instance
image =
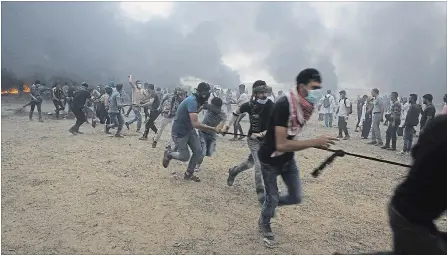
(325, 142)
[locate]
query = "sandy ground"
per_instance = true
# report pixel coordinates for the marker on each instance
(93, 194)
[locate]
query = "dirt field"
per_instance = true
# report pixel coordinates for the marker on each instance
(93, 194)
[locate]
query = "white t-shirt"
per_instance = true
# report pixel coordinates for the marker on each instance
(343, 108)
(243, 98)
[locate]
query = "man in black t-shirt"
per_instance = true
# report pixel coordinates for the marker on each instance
(422, 196)
(77, 106)
(429, 112)
(277, 151)
(258, 109)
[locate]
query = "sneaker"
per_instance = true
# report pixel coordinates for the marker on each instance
(107, 129)
(346, 137)
(143, 138)
(119, 136)
(391, 149)
(72, 131)
(191, 177)
(154, 144)
(40, 120)
(379, 144)
(267, 235)
(401, 153)
(385, 147)
(233, 139)
(127, 125)
(166, 159)
(93, 124)
(373, 143)
(231, 177)
(79, 132)
(339, 137)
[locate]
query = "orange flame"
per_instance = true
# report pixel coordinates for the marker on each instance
(26, 89)
(12, 91)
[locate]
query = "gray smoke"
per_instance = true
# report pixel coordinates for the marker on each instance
(298, 35)
(91, 41)
(396, 46)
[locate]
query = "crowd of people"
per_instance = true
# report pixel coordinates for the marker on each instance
(400, 115)
(272, 138)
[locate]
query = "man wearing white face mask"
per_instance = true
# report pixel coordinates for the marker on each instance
(139, 96)
(344, 109)
(259, 110)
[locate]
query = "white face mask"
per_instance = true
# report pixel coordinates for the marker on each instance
(262, 101)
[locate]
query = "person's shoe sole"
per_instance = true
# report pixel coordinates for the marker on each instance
(72, 132)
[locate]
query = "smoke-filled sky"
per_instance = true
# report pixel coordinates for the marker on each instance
(394, 46)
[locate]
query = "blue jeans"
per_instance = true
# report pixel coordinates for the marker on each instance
(208, 143)
(117, 121)
(328, 119)
(290, 175)
(192, 141)
(137, 118)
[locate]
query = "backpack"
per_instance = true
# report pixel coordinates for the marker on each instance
(348, 109)
(326, 102)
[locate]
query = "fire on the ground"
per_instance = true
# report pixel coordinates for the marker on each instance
(15, 91)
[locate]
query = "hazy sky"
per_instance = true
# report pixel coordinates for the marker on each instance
(390, 45)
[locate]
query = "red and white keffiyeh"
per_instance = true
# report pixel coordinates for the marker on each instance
(300, 111)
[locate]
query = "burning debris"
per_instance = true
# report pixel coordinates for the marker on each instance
(16, 91)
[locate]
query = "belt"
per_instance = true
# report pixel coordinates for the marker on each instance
(376, 112)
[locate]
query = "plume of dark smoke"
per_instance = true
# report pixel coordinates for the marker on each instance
(396, 46)
(92, 42)
(296, 41)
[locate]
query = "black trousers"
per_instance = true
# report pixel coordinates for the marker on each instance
(146, 113)
(366, 127)
(410, 239)
(39, 109)
(59, 107)
(80, 117)
(391, 134)
(342, 126)
(150, 123)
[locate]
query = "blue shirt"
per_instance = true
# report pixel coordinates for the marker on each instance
(182, 122)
